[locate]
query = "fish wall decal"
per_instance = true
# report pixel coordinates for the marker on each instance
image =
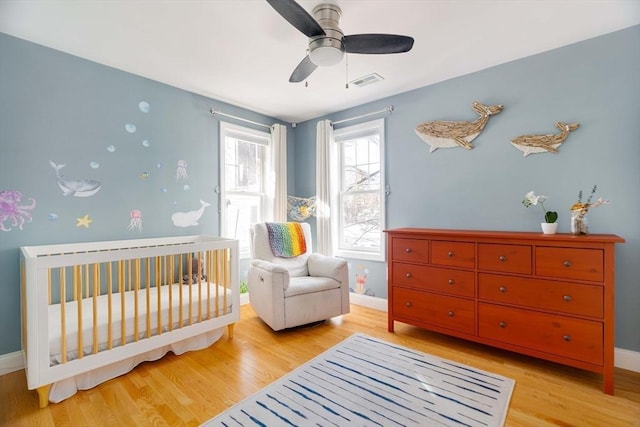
(75, 187)
(532, 144)
(448, 134)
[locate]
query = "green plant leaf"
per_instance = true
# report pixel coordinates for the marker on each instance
(551, 217)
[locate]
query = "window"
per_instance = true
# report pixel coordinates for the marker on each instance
(245, 160)
(359, 196)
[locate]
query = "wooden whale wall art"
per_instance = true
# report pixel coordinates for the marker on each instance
(531, 144)
(448, 134)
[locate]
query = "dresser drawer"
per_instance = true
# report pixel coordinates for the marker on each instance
(455, 282)
(413, 250)
(570, 263)
(568, 298)
(504, 258)
(563, 336)
(438, 310)
(453, 254)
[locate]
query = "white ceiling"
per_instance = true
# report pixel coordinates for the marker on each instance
(242, 52)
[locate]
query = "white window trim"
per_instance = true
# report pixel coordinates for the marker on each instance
(338, 134)
(251, 135)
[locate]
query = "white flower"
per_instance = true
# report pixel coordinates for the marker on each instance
(531, 199)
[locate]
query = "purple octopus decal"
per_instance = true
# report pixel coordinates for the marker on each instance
(11, 209)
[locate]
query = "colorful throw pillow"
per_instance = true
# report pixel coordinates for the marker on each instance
(286, 239)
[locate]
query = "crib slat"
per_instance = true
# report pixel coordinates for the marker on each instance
(148, 301)
(96, 282)
(217, 278)
(123, 323)
(169, 281)
(198, 272)
(208, 271)
(159, 293)
(77, 282)
(63, 313)
(190, 282)
(180, 311)
(109, 307)
(136, 288)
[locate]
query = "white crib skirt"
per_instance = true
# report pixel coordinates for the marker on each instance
(66, 388)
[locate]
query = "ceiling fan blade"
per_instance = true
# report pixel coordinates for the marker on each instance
(377, 43)
(303, 70)
(298, 17)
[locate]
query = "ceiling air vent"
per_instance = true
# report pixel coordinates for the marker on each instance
(367, 80)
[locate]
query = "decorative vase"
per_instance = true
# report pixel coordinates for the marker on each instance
(549, 228)
(579, 223)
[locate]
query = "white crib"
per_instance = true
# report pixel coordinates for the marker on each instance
(93, 311)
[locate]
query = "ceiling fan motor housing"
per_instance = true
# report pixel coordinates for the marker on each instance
(328, 49)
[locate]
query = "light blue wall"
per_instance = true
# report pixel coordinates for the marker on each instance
(60, 108)
(595, 83)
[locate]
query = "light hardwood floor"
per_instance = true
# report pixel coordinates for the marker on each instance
(187, 390)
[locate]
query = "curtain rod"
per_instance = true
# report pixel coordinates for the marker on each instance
(389, 109)
(215, 112)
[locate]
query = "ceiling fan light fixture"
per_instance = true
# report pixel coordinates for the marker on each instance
(326, 51)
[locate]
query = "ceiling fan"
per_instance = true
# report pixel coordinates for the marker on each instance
(327, 43)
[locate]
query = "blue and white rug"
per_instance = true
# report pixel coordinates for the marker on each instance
(364, 381)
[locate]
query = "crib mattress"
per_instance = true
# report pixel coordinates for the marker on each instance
(201, 306)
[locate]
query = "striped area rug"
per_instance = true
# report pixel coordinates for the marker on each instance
(364, 381)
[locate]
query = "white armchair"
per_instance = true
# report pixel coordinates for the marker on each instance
(288, 292)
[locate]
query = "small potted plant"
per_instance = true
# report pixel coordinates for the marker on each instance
(550, 224)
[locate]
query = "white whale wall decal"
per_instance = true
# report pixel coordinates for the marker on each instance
(189, 219)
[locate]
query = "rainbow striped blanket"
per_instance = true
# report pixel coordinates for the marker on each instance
(286, 239)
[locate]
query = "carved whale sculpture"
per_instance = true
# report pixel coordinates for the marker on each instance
(448, 134)
(529, 144)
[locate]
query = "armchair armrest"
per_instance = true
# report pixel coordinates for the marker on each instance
(326, 266)
(268, 266)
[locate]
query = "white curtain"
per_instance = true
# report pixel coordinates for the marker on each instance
(279, 143)
(324, 140)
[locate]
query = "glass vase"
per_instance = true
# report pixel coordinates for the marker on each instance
(579, 223)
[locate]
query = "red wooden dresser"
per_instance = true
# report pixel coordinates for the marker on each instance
(547, 296)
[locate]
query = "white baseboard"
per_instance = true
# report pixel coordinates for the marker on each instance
(624, 359)
(244, 299)
(11, 362)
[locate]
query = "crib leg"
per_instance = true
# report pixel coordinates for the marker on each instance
(230, 330)
(43, 395)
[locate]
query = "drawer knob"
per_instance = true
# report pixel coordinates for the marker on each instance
(408, 304)
(567, 338)
(502, 324)
(408, 275)
(567, 263)
(502, 258)
(451, 281)
(567, 298)
(450, 253)
(408, 250)
(451, 314)
(503, 289)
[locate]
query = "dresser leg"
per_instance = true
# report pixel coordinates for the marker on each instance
(608, 385)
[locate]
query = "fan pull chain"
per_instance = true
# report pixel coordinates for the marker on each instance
(346, 70)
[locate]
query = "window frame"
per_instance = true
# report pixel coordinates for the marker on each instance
(341, 135)
(252, 136)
